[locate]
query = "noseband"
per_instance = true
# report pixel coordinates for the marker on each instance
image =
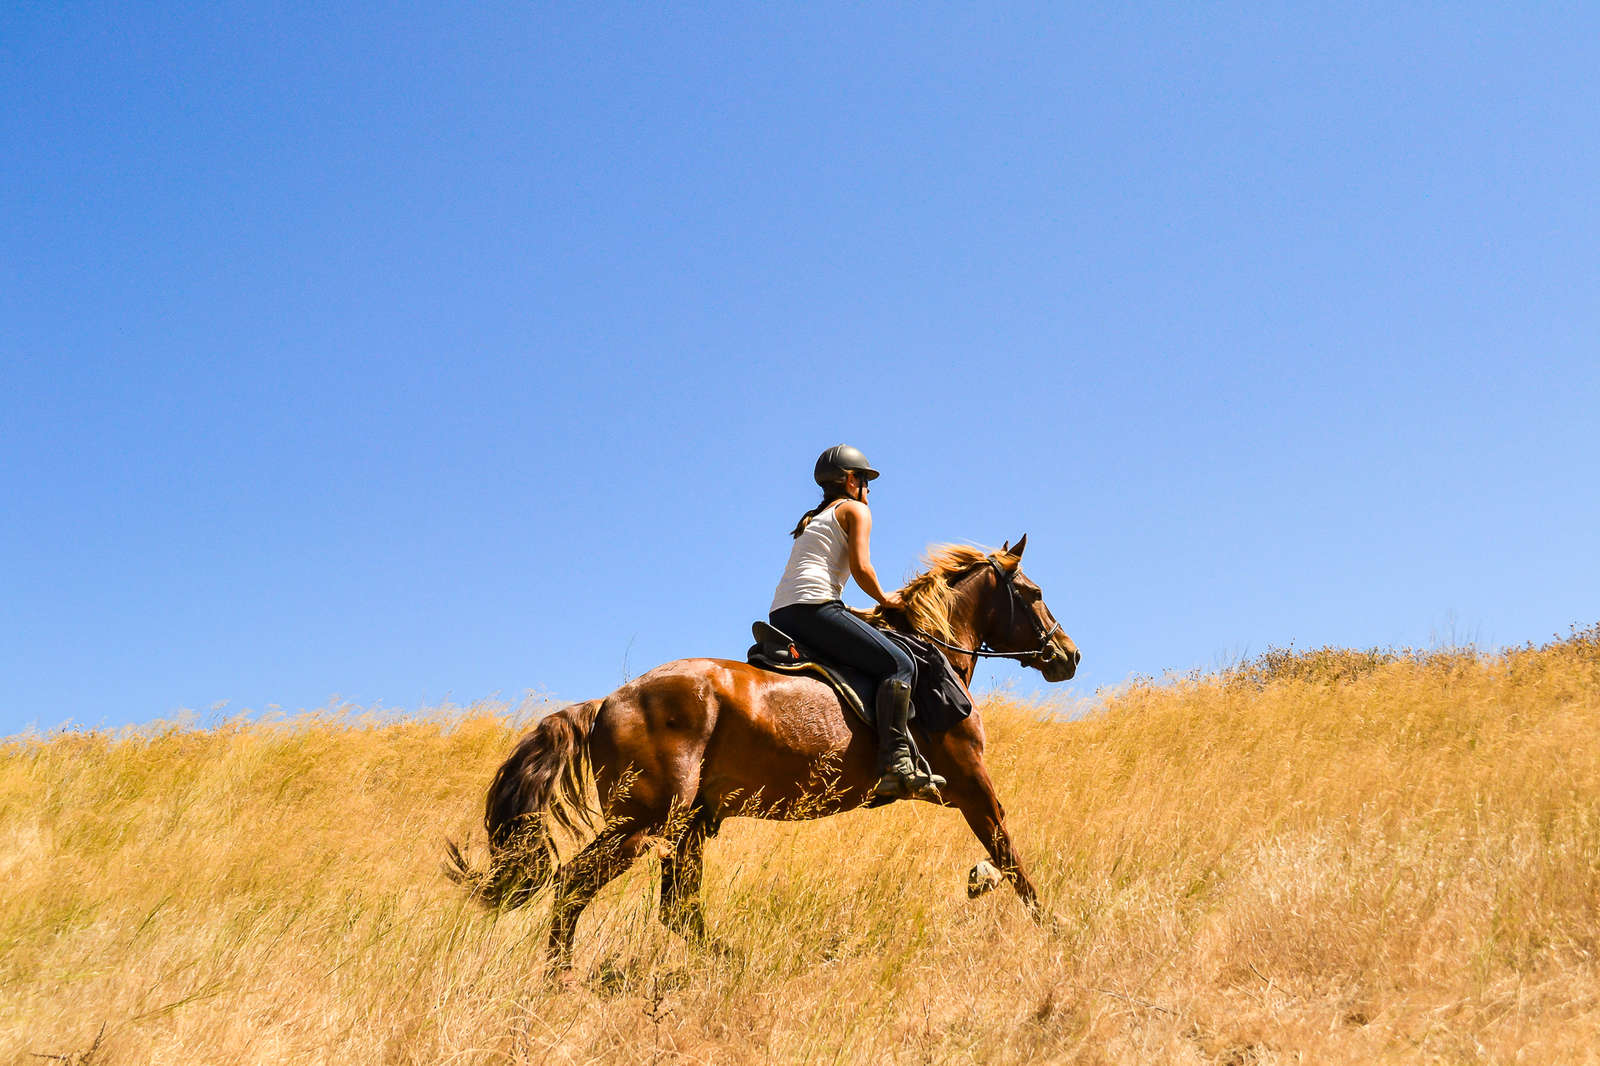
(1044, 653)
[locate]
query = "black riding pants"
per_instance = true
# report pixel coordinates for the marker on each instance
(832, 632)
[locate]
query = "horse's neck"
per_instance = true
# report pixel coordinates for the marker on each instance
(964, 626)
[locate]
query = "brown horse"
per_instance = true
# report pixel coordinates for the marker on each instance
(675, 751)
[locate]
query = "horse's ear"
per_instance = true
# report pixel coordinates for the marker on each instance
(1006, 547)
(1022, 542)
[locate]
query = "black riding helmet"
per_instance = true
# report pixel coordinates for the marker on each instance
(832, 464)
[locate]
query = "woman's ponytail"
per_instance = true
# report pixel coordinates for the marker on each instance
(833, 490)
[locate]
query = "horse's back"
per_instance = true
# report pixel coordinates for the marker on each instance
(720, 729)
(689, 697)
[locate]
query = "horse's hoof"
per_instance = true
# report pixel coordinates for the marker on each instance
(982, 878)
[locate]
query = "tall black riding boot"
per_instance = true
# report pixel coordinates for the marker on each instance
(901, 777)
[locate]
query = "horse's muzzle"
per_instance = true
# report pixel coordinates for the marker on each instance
(1057, 663)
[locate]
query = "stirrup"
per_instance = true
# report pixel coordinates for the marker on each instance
(918, 784)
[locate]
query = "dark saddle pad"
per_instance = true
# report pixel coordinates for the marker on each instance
(776, 650)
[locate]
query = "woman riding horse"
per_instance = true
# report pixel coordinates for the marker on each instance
(677, 750)
(830, 546)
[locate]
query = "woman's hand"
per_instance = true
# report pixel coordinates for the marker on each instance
(894, 602)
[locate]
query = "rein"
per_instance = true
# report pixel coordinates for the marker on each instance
(1044, 652)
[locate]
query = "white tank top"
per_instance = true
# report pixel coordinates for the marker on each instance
(819, 563)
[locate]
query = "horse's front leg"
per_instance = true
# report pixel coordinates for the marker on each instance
(982, 810)
(972, 793)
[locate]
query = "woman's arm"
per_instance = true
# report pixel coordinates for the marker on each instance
(857, 522)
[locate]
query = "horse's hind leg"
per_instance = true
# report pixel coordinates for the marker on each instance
(606, 857)
(680, 883)
(646, 750)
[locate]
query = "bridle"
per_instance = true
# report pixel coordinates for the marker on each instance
(1044, 653)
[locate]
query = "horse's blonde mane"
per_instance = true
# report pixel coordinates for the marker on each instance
(929, 597)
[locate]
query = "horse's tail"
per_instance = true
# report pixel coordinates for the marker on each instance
(542, 783)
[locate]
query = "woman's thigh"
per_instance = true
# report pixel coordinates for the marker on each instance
(831, 630)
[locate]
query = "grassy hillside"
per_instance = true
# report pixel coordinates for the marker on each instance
(1321, 857)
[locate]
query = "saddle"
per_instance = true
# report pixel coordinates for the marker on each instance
(776, 650)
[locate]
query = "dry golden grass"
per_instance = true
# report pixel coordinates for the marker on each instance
(1325, 857)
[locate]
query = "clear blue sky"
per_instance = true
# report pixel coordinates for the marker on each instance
(411, 355)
